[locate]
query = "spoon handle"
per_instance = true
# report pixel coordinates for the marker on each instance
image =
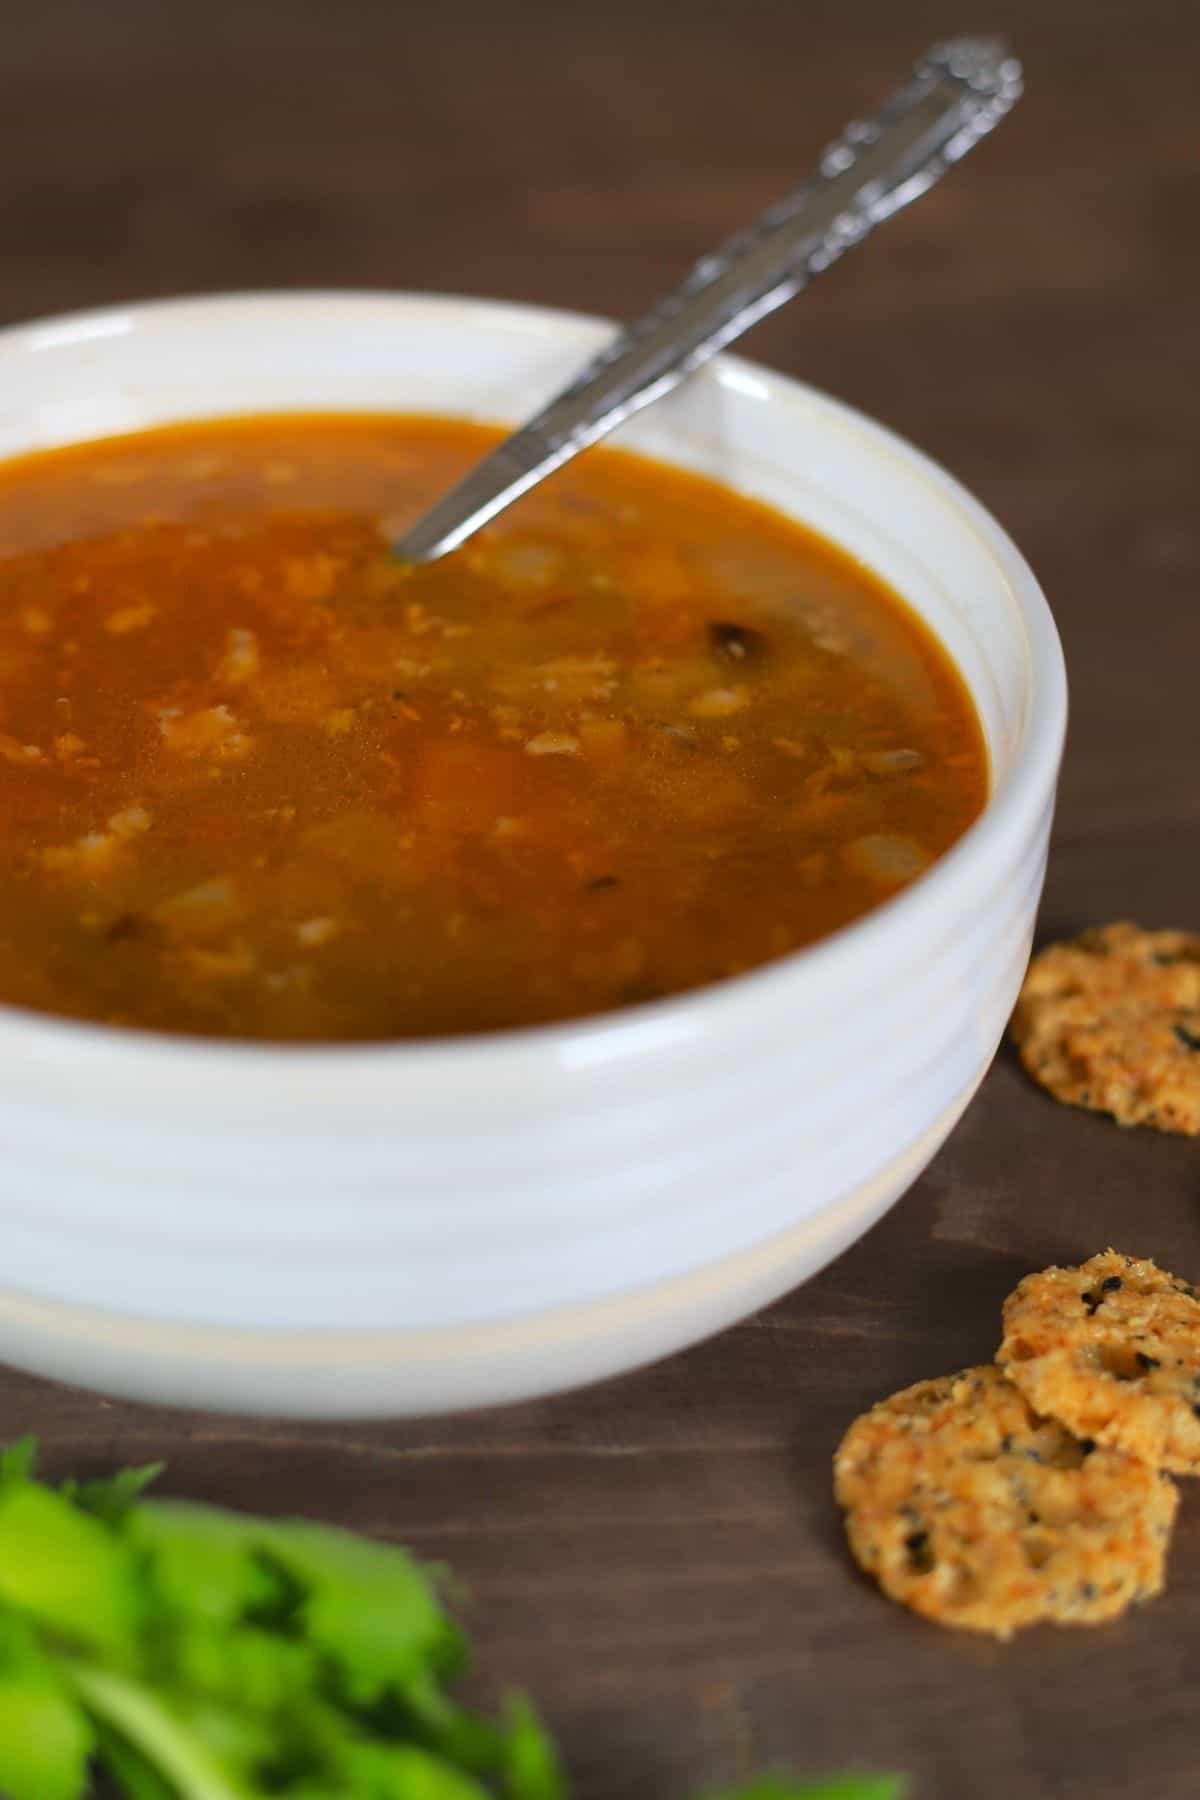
(956, 94)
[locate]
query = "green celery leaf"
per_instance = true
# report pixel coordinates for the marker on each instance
(531, 1768)
(246, 1666)
(401, 1772)
(365, 1606)
(67, 1571)
(241, 1740)
(191, 1755)
(134, 1776)
(368, 1607)
(46, 1739)
(112, 1498)
(356, 1766)
(307, 1790)
(313, 1787)
(18, 1460)
(422, 1712)
(204, 1563)
(288, 1659)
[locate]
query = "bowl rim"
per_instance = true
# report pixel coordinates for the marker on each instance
(91, 1049)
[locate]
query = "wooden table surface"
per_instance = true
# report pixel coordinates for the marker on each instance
(659, 1559)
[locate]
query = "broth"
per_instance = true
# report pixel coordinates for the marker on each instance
(258, 781)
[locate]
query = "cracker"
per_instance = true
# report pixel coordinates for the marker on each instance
(967, 1507)
(1112, 1348)
(1111, 1021)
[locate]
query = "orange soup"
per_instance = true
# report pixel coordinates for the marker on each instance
(259, 781)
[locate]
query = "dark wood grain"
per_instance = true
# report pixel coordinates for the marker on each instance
(659, 1559)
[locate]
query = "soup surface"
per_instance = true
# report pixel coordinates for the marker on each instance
(256, 780)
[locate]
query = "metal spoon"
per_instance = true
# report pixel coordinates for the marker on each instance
(957, 93)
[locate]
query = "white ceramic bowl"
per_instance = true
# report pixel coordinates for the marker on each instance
(374, 1230)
